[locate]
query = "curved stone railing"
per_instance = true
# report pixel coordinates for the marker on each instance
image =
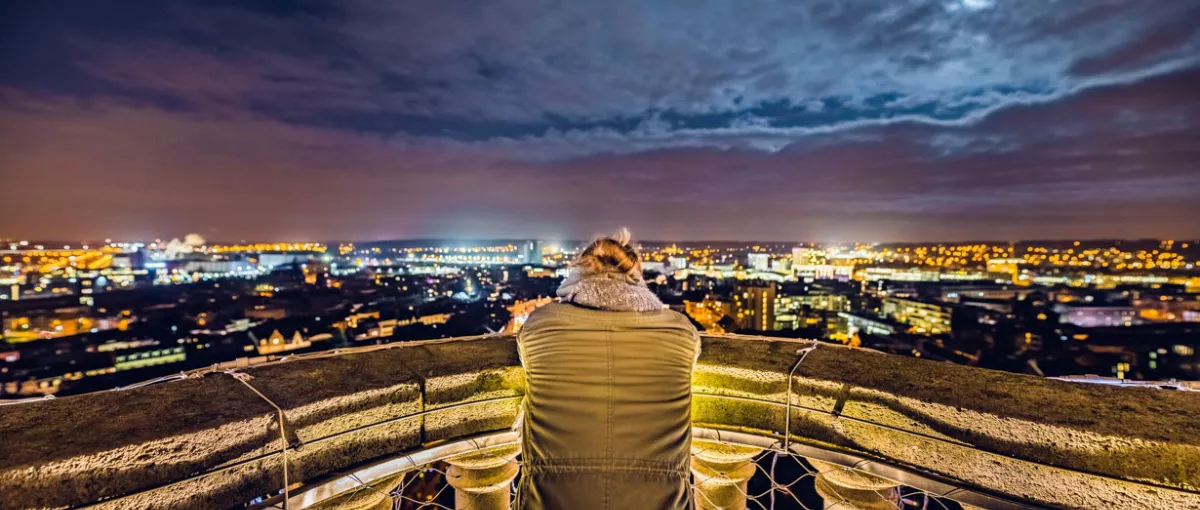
(987, 438)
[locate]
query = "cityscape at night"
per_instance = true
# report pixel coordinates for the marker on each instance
(96, 315)
(371, 255)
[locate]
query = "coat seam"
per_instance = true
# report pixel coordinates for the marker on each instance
(608, 453)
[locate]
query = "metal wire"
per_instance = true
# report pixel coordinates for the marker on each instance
(788, 491)
(787, 419)
(283, 447)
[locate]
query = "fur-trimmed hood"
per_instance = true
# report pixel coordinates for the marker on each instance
(612, 291)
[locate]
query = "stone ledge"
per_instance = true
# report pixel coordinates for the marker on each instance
(1044, 441)
(1084, 443)
(211, 442)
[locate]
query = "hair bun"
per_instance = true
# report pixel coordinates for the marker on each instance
(610, 254)
(622, 236)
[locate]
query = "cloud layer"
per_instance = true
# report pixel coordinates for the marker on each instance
(777, 120)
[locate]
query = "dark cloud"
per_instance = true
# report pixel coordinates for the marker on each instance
(820, 120)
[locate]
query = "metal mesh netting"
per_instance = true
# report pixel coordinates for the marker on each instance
(780, 480)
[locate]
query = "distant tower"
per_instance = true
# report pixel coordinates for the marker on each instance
(754, 306)
(531, 252)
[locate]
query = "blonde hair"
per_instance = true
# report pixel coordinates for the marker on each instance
(610, 254)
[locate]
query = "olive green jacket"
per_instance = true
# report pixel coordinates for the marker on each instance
(607, 410)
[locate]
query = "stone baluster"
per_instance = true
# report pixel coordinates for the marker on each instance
(483, 481)
(720, 474)
(848, 489)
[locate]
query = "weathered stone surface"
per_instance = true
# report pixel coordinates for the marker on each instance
(483, 480)
(720, 474)
(211, 442)
(341, 410)
(985, 428)
(455, 373)
(71, 450)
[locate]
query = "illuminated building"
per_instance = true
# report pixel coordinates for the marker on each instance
(218, 267)
(814, 271)
(385, 328)
(542, 272)
(1010, 267)
(961, 292)
(520, 312)
(678, 262)
(871, 326)
(759, 261)
(801, 256)
(278, 343)
(782, 266)
(150, 358)
(925, 318)
(708, 313)
(815, 301)
(268, 261)
(809, 311)
(531, 252)
(908, 274)
(754, 307)
(1094, 316)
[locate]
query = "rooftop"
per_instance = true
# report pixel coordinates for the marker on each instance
(358, 418)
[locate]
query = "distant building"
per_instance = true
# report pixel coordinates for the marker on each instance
(966, 292)
(131, 260)
(925, 317)
(754, 307)
(809, 311)
(657, 267)
(1010, 267)
(871, 326)
(782, 265)
(909, 274)
(149, 357)
(520, 311)
(709, 313)
(678, 262)
(815, 271)
(278, 343)
(544, 272)
(268, 261)
(759, 261)
(1092, 316)
(223, 267)
(815, 301)
(531, 252)
(801, 256)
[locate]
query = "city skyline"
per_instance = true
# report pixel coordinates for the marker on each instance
(566, 243)
(930, 121)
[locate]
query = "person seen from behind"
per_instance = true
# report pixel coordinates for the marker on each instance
(607, 412)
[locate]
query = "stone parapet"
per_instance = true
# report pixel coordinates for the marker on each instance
(211, 441)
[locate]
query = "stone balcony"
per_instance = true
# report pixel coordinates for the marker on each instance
(867, 421)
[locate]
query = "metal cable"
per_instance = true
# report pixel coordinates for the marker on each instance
(787, 419)
(283, 448)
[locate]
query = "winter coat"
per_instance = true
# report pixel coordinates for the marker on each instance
(607, 412)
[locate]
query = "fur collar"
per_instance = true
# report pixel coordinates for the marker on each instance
(614, 292)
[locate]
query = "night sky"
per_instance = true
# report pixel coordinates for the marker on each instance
(690, 119)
